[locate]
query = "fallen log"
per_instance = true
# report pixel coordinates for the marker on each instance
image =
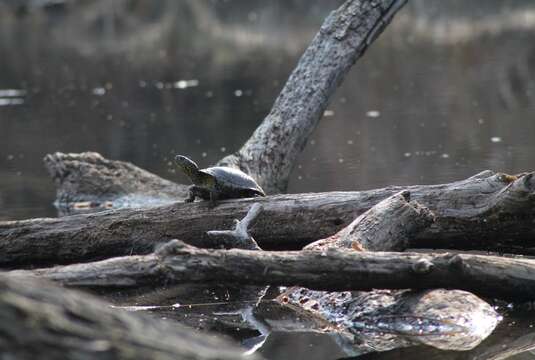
(381, 320)
(40, 320)
(333, 269)
(488, 212)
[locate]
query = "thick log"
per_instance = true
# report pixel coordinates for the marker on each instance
(41, 321)
(270, 154)
(333, 269)
(388, 226)
(488, 211)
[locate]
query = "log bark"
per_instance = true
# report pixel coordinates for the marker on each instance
(333, 269)
(90, 178)
(490, 211)
(270, 153)
(388, 226)
(40, 320)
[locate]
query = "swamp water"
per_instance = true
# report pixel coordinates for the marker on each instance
(447, 91)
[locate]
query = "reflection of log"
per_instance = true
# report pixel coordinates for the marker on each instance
(488, 211)
(176, 262)
(39, 320)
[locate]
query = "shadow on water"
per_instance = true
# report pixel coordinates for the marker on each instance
(447, 91)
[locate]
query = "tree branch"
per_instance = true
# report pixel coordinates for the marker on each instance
(333, 269)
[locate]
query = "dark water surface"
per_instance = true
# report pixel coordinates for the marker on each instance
(447, 91)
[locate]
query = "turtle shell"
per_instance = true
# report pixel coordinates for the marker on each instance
(231, 181)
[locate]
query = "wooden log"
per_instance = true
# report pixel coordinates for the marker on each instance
(388, 226)
(488, 212)
(39, 320)
(333, 269)
(90, 178)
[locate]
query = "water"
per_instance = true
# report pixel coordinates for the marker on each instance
(447, 91)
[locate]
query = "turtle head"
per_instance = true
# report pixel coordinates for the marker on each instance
(188, 166)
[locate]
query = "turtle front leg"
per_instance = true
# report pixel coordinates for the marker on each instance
(193, 192)
(214, 195)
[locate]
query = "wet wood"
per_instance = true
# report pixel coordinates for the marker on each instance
(39, 320)
(333, 269)
(490, 211)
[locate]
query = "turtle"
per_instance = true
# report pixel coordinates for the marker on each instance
(218, 182)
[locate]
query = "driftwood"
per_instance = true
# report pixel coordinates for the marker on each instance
(488, 211)
(388, 226)
(177, 262)
(90, 178)
(513, 337)
(382, 320)
(40, 320)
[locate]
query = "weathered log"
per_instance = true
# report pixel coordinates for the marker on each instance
(40, 320)
(333, 269)
(381, 320)
(512, 337)
(89, 177)
(270, 154)
(488, 211)
(388, 226)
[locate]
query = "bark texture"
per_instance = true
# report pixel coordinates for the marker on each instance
(388, 226)
(89, 177)
(41, 321)
(333, 269)
(489, 212)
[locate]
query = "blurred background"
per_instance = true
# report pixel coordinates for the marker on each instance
(447, 91)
